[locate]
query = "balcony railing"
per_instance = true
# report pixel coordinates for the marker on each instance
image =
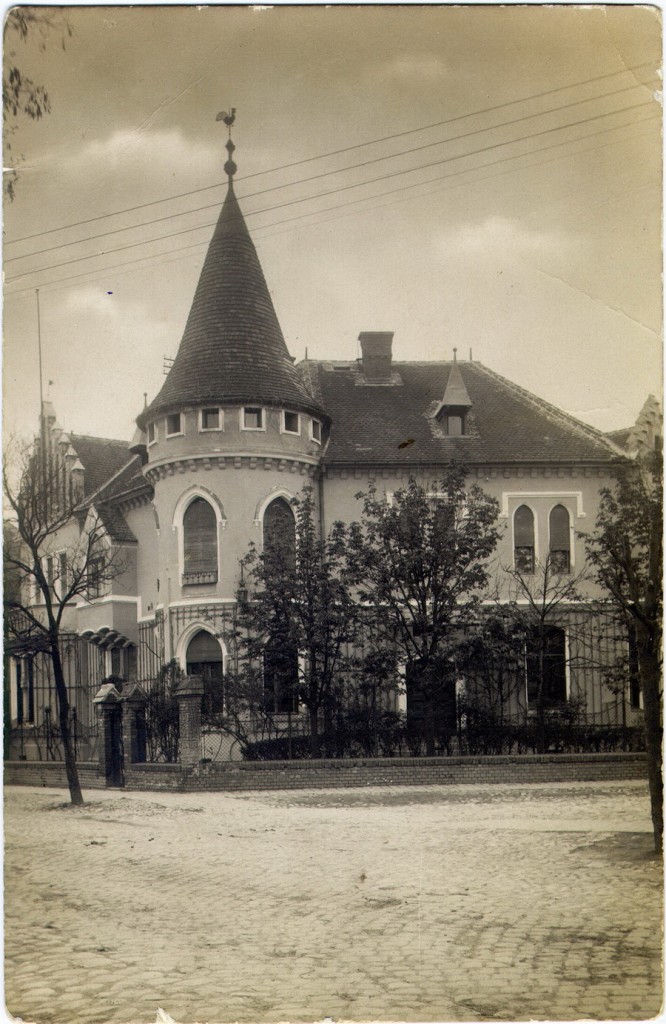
(193, 579)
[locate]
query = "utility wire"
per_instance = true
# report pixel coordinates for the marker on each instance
(345, 188)
(444, 188)
(366, 199)
(346, 149)
(323, 174)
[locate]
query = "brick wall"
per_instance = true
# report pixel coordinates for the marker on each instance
(267, 775)
(51, 773)
(233, 776)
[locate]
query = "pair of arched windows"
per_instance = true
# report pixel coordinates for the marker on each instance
(559, 540)
(200, 537)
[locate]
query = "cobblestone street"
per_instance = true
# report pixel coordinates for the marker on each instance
(411, 904)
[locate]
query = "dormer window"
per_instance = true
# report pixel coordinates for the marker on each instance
(211, 419)
(315, 431)
(291, 423)
(253, 418)
(452, 414)
(174, 424)
(453, 422)
(152, 434)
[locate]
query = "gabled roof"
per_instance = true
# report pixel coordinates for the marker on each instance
(127, 478)
(620, 437)
(114, 523)
(101, 458)
(397, 424)
(641, 437)
(232, 349)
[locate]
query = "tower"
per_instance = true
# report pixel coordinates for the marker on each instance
(231, 437)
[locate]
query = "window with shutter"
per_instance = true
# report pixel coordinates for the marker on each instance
(62, 573)
(560, 544)
(49, 571)
(199, 543)
(523, 539)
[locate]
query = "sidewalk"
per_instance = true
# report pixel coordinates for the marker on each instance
(412, 904)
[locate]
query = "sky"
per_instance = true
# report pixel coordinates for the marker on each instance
(484, 178)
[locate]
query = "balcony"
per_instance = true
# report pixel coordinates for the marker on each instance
(194, 579)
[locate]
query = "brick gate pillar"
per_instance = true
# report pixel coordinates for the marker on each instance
(133, 701)
(107, 702)
(189, 694)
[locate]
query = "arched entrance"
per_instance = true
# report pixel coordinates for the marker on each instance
(204, 658)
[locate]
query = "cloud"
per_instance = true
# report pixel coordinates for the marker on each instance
(502, 234)
(162, 151)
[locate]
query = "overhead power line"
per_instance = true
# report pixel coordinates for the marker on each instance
(345, 149)
(365, 199)
(324, 174)
(344, 188)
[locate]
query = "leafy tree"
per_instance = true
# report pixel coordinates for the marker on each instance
(60, 555)
(21, 96)
(626, 555)
(300, 616)
(420, 562)
(162, 715)
(491, 660)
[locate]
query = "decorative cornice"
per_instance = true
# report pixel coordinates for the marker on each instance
(132, 501)
(302, 464)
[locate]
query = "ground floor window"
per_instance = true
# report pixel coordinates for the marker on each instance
(25, 690)
(546, 667)
(280, 679)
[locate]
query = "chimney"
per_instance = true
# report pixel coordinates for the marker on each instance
(376, 356)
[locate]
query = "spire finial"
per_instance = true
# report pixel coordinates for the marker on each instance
(229, 167)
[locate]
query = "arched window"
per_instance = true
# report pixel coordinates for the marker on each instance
(199, 543)
(280, 532)
(280, 678)
(204, 658)
(560, 543)
(523, 539)
(546, 667)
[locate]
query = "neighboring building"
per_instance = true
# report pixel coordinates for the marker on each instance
(235, 433)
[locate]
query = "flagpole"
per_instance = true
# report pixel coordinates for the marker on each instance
(42, 425)
(39, 350)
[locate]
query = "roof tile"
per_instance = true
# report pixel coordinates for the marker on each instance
(232, 349)
(371, 423)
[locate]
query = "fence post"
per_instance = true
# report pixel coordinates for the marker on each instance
(189, 694)
(134, 702)
(107, 703)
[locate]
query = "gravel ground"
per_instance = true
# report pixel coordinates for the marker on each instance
(438, 903)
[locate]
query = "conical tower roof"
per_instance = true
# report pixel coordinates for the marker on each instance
(233, 349)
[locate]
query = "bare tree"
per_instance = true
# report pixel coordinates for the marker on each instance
(61, 554)
(540, 598)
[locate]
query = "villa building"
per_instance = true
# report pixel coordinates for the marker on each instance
(235, 433)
